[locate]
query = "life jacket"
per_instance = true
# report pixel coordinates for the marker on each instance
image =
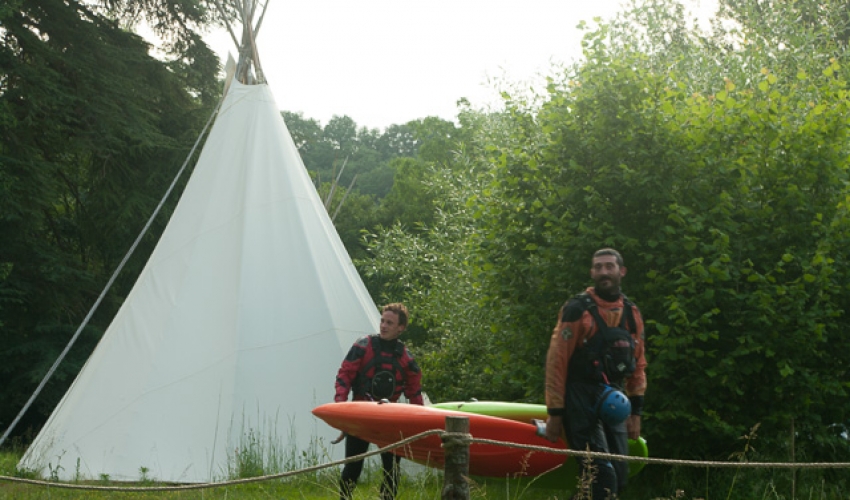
(609, 355)
(381, 375)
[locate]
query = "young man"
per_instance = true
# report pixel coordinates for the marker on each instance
(584, 360)
(377, 367)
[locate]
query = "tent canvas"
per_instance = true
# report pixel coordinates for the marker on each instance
(233, 331)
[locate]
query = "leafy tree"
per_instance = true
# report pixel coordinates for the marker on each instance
(410, 202)
(718, 191)
(398, 140)
(715, 184)
(428, 269)
(759, 17)
(718, 166)
(306, 132)
(423, 256)
(93, 129)
(179, 23)
(340, 151)
(413, 198)
(351, 212)
(437, 139)
(341, 131)
(377, 182)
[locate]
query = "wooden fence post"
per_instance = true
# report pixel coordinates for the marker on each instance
(456, 449)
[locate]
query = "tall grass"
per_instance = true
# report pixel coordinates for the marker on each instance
(426, 485)
(259, 453)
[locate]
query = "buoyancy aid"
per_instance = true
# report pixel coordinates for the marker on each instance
(381, 375)
(609, 355)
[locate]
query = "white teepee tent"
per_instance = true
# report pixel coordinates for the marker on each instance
(234, 330)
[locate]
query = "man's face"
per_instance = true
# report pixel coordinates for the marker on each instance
(390, 328)
(607, 274)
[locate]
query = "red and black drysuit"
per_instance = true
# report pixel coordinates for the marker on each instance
(376, 369)
(574, 382)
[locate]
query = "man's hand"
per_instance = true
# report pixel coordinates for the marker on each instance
(633, 426)
(339, 439)
(554, 428)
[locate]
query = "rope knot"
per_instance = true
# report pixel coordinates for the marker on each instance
(455, 439)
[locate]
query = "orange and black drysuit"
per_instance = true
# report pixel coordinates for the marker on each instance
(574, 381)
(376, 369)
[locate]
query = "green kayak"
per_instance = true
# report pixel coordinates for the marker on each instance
(527, 412)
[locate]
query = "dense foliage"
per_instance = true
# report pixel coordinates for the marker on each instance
(718, 165)
(367, 177)
(92, 128)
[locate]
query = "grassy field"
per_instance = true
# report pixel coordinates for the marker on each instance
(310, 486)
(654, 483)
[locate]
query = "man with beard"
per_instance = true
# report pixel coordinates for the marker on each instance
(596, 351)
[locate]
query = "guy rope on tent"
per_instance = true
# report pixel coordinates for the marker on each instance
(242, 71)
(109, 283)
(237, 322)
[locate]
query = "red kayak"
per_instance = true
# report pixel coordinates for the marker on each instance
(388, 423)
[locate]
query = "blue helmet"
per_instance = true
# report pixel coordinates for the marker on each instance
(613, 406)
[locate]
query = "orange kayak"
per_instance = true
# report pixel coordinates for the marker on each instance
(387, 423)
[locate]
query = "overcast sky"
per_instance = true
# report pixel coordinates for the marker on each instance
(384, 62)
